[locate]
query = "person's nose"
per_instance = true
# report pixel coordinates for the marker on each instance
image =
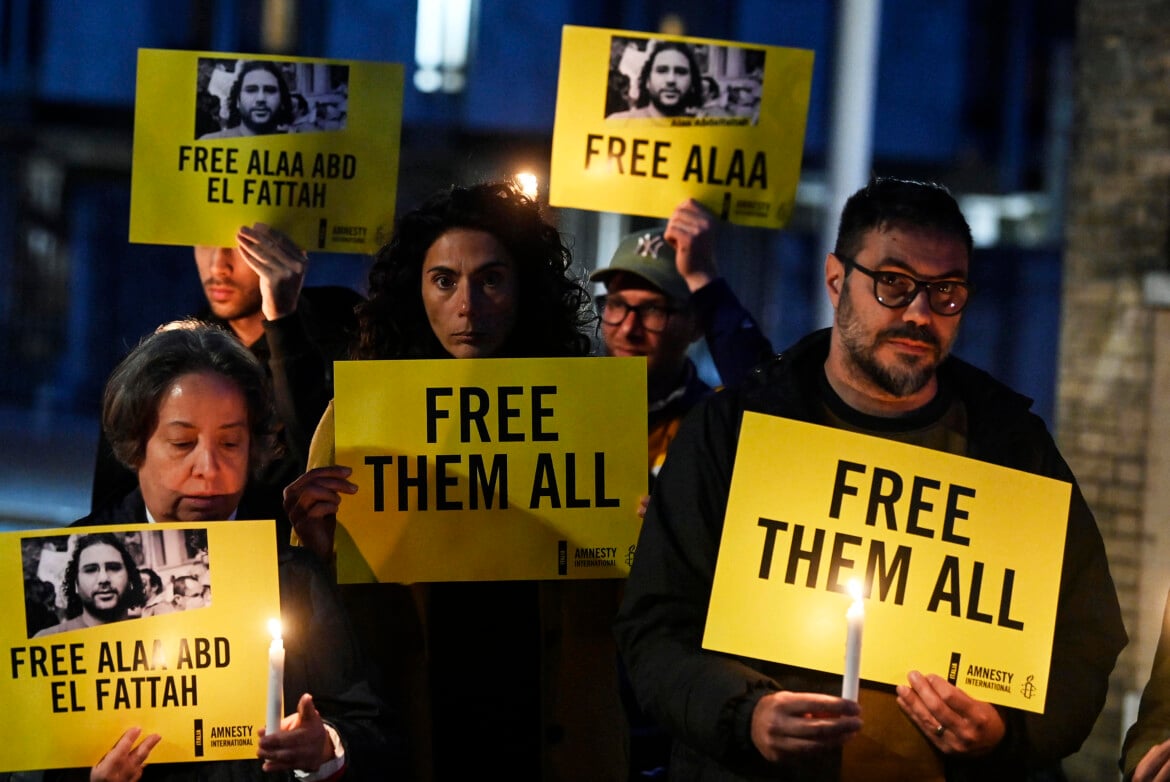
(205, 462)
(222, 261)
(470, 299)
(918, 310)
(631, 325)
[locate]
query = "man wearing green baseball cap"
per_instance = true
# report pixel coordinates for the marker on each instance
(663, 292)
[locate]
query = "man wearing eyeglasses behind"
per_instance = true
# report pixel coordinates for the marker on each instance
(897, 280)
(663, 292)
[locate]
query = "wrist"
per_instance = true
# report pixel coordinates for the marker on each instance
(697, 280)
(332, 762)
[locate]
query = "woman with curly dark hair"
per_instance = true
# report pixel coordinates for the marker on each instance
(474, 272)
(528, 298)
(513, 679)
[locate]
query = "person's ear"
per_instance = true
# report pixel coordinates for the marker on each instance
(834, 277)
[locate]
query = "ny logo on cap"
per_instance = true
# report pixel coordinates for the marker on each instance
(649, 244)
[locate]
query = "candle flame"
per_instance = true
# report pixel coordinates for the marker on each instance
(528, 184)
(854, 587)
(274, 628)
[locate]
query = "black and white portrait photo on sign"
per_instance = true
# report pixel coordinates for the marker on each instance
(656, 79)
(86, 579)
(239, 98)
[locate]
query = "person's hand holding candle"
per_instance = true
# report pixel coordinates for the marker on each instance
(303, 742)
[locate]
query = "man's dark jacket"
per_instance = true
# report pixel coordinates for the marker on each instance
(706, 698)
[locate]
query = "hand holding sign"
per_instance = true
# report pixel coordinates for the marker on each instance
(955, 722)
(279, 263)
(124, 761)
(691, 231)
(311, 502)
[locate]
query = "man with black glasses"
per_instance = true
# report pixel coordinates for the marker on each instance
(898, 282)
(663, 292)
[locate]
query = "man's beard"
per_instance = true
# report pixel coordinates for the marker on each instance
(115, 613)
(905, 375)
(676, 109)
(257, 128)
(246, 304)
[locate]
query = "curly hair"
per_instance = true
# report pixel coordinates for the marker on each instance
(284, 112)
(693, 97)
(134, 595)
(554, 306)
(136, 387)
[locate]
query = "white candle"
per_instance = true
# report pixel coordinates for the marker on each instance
(855, 622)
(275, 678)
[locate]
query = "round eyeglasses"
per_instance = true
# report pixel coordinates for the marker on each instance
(896, 290)
(653, 317)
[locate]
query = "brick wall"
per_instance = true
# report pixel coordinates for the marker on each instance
(1118, 225)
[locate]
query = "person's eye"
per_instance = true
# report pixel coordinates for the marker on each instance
(946, 287)
(493, 279)
(651, 311)
(115, 567)
(894, 280)
(89, 569)
(230, 445)
(182, 445)
(443, 282)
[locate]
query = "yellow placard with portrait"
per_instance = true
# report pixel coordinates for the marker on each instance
(96, 651)
(958, 560)
(644, 122)
(308, 146)
(490, 469)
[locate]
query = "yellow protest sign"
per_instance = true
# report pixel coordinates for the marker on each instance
(958, 560)
(94, 652)
(643, 122)
(223, 140)
(490, 469)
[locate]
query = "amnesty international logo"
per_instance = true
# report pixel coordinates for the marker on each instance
(1028, 688)
(630, 555)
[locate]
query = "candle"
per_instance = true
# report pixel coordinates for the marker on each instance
(855, 622)
(275, 677)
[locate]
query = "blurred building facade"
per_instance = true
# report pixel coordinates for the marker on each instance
(74, 293)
